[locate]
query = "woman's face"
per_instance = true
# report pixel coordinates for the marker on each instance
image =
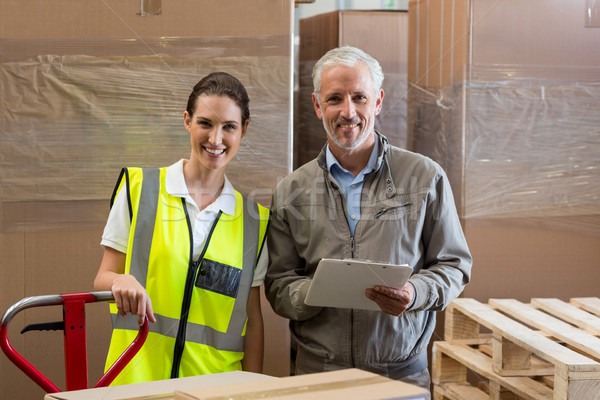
(216, 130)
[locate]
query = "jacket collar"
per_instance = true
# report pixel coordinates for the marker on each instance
(383, 166)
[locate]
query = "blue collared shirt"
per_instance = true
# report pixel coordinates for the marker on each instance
(351, 185)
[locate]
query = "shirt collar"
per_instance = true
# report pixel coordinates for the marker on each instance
(175, 186)
(371, 164)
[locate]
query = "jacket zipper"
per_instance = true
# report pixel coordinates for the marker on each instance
(385, 210)
(187, 295)
(344, 208)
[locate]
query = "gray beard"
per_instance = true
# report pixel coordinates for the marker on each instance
(340, 144)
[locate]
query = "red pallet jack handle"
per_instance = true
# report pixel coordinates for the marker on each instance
(74, 343)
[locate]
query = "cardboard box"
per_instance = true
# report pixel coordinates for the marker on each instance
(346, 384)
(502, 96)
(383, 35)
(450, 39)
(159, 389)
(91, 87)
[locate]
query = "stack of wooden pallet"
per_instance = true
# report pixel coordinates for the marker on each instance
(506, 349)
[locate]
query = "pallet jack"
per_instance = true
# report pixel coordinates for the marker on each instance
(75, 347)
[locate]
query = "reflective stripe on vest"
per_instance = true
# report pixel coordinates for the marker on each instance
(144, 228)
(232, 340)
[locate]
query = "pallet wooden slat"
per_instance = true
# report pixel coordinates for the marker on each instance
(481, 364)
(539, 348)
(577, 338)
(458, 391)
(521, 335)
(570, 313)
(590, 304)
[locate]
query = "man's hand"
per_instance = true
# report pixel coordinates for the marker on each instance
(392, 301)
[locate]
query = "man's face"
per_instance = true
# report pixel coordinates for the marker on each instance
(347, 105)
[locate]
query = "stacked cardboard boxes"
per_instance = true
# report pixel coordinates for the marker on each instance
(505, 96)
(90, 87)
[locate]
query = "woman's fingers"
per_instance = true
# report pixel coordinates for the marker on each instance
(150, 310)
(144, 308)
(119, 302)
(130, 297)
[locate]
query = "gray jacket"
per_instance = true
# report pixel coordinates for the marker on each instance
(408, 216)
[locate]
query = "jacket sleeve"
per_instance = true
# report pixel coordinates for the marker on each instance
(286, 284)
(447, 260)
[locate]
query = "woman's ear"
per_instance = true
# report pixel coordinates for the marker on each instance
(245, 127)
(187, 120)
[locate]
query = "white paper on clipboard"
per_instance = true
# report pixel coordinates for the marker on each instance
(342, 283)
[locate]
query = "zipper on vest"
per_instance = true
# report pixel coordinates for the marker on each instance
(187, 295)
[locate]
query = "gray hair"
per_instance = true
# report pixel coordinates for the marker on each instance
(347, 56)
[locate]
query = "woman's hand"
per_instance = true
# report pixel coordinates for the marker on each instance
(131, 297)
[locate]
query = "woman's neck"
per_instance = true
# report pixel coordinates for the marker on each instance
(204, 186)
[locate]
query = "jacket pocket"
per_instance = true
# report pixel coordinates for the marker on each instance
(392, 209)
(400, 206)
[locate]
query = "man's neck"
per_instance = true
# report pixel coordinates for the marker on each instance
(354, 160)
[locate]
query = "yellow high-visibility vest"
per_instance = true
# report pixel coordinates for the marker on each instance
(199, 305)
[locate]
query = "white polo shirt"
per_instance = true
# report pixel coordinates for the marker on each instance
(116, 231)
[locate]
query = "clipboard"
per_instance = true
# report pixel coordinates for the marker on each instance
(342, 283)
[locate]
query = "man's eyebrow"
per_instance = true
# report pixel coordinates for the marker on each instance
(340, 92)
(327, 96)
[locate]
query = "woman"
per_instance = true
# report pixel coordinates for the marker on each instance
(183, 248)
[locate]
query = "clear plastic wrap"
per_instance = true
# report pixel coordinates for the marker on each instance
(73, 117)
(518, 142)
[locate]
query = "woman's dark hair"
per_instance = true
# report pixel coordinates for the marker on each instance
(221, 84)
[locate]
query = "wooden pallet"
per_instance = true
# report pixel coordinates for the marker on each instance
(548, 349)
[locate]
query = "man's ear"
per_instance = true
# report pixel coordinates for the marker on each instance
(379, 102)
(317, 106)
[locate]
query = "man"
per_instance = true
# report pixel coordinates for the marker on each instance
(363, 198)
